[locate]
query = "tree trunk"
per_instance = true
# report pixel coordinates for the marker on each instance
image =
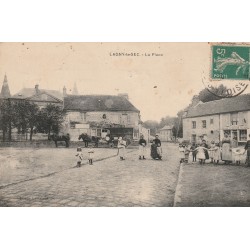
(31, 133)
(49, 133)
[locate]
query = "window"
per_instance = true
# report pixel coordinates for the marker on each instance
(193, 124)
(211, 121)
(83, 117)
(99, 132)
(204, 124)
(243, 135)
(234, 118)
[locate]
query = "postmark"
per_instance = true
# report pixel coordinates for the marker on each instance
(229, 72)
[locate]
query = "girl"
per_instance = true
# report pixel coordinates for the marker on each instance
(91, 154)
(212, 151)
(182, 153)
(201, 153)
(121, 148)
(79, 156)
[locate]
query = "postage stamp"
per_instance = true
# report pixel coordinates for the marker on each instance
(230, 62)
(229, 72)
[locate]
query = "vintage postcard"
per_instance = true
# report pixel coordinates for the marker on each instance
(124, 124)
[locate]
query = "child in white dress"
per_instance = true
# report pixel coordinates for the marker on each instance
(201, 153)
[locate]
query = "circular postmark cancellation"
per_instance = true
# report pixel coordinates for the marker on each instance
(230, 70)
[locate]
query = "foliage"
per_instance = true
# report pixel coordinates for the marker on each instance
(212, 95)
(50, 119)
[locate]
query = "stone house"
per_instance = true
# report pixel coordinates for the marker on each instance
(166, 133)
(41, 97)
(94, 114)
(211, 120)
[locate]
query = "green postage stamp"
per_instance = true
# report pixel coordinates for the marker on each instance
(230, 62)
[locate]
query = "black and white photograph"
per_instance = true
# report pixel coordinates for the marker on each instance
(124, 124)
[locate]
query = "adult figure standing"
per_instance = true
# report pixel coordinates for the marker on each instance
(157, 142)
(247, 149)
(226, 154)
(142, 148)
(234, 144)
(121, 148)
(204, 144)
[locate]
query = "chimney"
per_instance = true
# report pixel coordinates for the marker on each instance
(124, 95)
(64, 91)
(36, 89)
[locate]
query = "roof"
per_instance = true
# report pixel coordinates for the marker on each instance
(28, 92)
(98, 103)
(167, 127)
(225, 105)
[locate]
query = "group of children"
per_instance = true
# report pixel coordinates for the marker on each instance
(80, 157)
(201, 152)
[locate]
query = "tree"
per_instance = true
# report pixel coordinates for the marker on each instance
(25, 116)
(6, 115)
(50, 119)
(213, 94)
(152, 125)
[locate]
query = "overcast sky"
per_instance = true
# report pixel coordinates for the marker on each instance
(156, 85)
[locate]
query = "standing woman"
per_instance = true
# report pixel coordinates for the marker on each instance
(234, 145)
(247, 149)
(226, 154)
(121, 148)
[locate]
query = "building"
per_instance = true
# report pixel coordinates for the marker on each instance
(94, 114)
(166, 133)
(211, 120)
(41, 97)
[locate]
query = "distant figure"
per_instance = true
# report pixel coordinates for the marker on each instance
(212, 151)
(91, 155)
(142, 148)
(226, 154)
(234, 145)
(247, 149)
(201, 153)
(157, 142)
(215, 153)
(194, 153)
(154, 151)
(79, 156)
(205, 151)
(121, 148)
(181, 153)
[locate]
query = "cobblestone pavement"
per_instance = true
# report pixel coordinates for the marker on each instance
(213, 185)
(109, 182)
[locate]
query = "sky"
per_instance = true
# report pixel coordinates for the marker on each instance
(157, 85)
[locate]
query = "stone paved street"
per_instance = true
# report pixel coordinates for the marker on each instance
(34, 181)
(213, 185)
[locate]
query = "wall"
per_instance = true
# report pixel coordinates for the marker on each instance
(166, 135)
(132, 118)
(211, 132)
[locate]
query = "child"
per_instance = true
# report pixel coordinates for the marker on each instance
(91, 154)
(237, 155)
(182, 153)
(216, 150)
(201, 153)
(186, 153)
(192, 149)
(79, 156)
(212, 151)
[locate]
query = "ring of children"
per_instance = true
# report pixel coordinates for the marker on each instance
(109, 181)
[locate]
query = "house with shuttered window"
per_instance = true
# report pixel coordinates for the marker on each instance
(211, 120)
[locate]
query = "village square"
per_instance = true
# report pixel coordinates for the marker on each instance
(95, 150)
